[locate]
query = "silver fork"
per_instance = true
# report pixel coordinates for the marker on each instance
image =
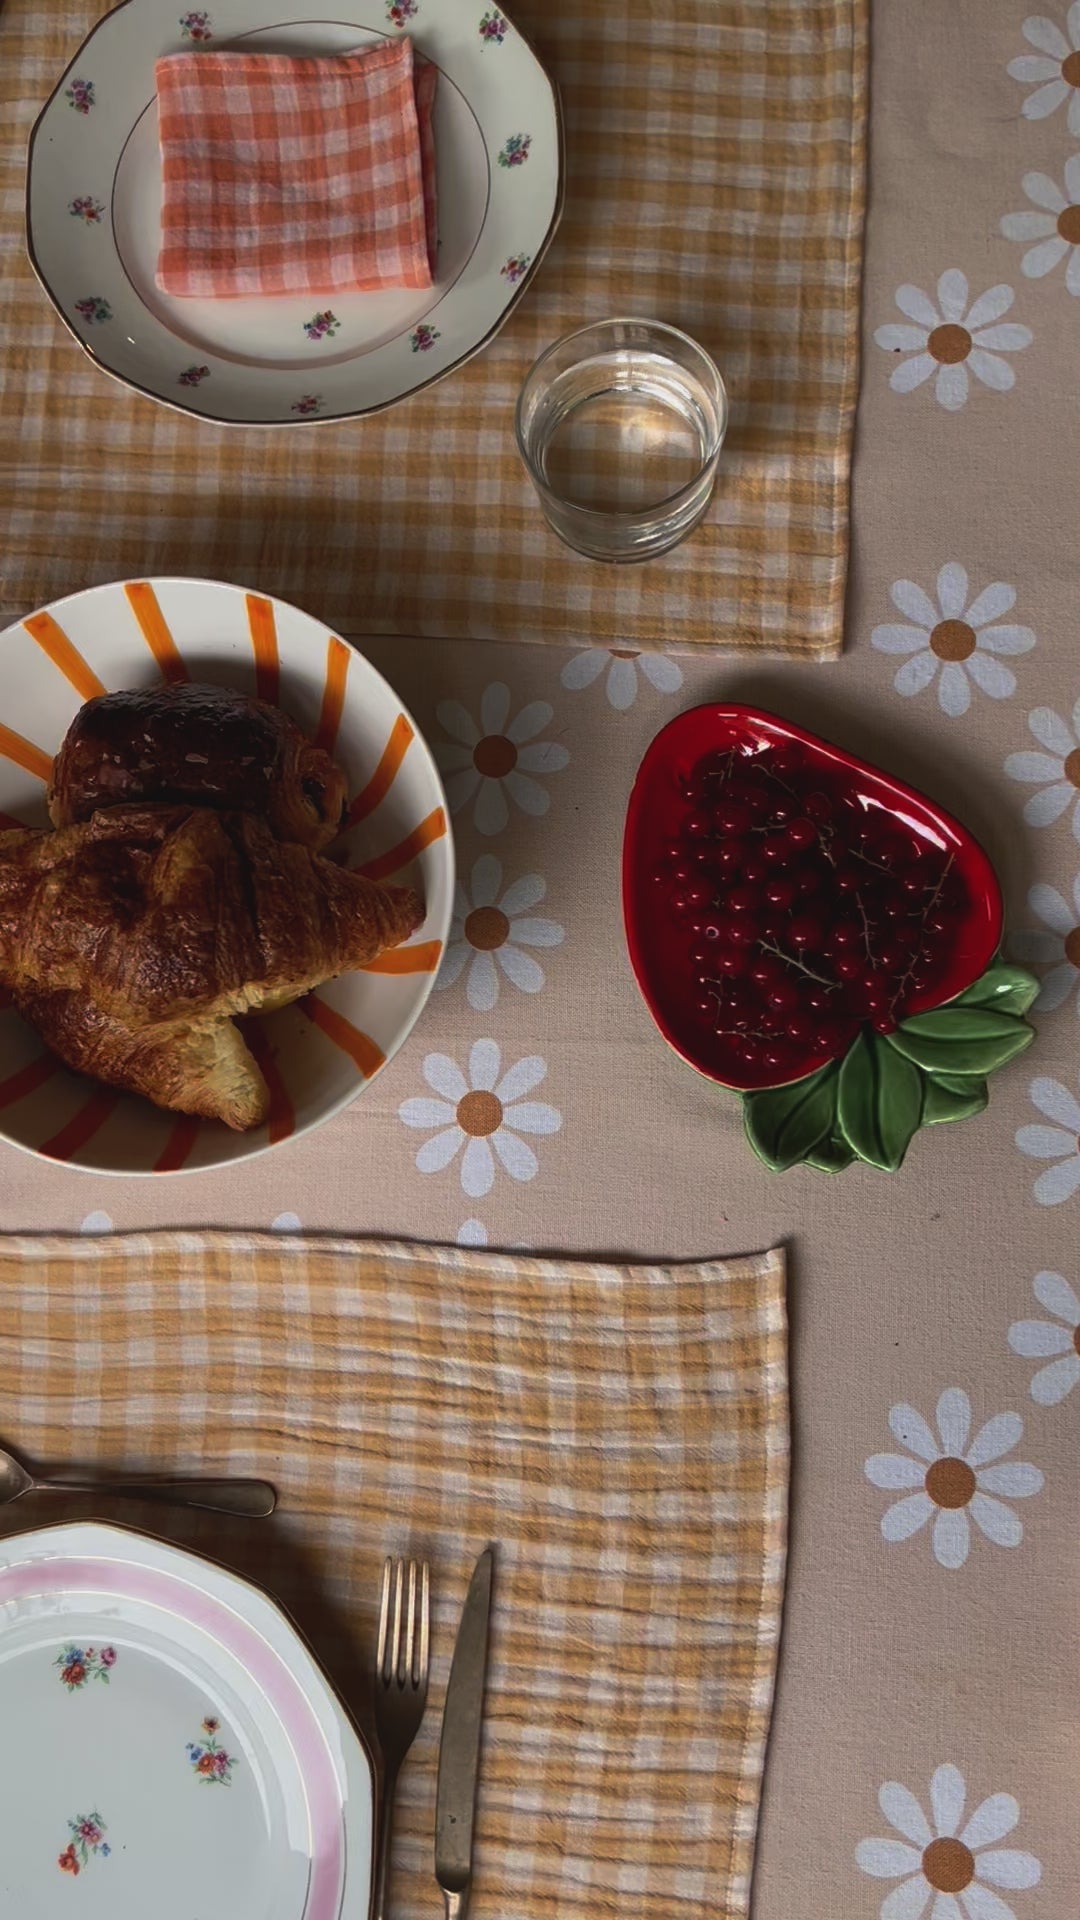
(401, 1683)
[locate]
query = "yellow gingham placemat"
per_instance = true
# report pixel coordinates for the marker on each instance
(714, 180)
(620, 1433)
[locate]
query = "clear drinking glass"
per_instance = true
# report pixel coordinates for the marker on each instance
(620, 426)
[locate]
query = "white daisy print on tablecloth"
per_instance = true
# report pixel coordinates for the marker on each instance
(1059, 1142)
(486, 1112)
(951, 1482)
(490, 931)
(472, 1233)
(952, 338)
(286, 1223)
(1054, 227)
(1057, 1341)
(1056, 945)
(956, 1863)
(957, 644)
(1053, 70)
(96, 1222)
(623, 665)
(1056, 771)
(498, 758)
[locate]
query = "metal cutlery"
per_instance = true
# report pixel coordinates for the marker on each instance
(401, 1683)
(251, 1497)
(459, 1747)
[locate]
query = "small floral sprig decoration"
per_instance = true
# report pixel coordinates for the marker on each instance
(209, 1760)
(516, 151)
(80, 95)
(78, 1665)
(494, 28)
(86, 208)
(322, 325)
(88, 1832)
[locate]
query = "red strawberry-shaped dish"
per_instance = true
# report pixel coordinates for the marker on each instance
(814, 934)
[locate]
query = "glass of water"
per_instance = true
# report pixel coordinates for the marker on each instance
(620, 426)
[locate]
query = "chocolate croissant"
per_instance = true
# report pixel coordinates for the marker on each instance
(131, 940)
(202, 746)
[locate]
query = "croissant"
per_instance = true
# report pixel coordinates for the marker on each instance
(130, 941)
(201, 745)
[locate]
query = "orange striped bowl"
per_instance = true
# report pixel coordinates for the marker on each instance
(319, 1054)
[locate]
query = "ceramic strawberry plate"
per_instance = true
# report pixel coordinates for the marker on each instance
(817, 936)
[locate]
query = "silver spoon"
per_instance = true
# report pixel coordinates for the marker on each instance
(251, 1497)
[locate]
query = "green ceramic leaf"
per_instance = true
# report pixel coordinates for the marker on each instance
(1006, 989)
(832, 1156)
(785, 1124)
(880, 1101)
(950, 1096)
(957, 1039)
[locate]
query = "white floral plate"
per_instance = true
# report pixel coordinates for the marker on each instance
(180, 1754)
(318, 1054)
(94, 210)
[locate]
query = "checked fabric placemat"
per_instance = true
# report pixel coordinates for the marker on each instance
(715, 175)
(619, 1432)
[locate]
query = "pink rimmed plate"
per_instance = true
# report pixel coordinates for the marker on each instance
(319, 1054)
(173, 1748)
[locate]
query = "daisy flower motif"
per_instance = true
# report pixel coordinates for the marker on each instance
(472, 1233)
(1054, 68)
(1058, 941)
(947, 1480)
(1056, 771)
(1059, 1142)
(964, 643)
(484, 1113)
(623, 665)
(955, 1862)
(1056, 1340)
(951, 338)
(489, 931)
(497, 758)
(1055, 228)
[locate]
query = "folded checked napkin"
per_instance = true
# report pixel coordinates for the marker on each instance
(285, 175)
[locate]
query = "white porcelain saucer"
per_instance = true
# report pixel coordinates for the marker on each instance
(174, 1751)
(94, 209)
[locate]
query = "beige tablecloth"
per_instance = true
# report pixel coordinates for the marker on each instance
(897, 1663)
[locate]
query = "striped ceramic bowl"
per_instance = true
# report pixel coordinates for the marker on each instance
(319, 1054)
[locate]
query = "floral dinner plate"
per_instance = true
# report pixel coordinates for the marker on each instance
(180, 1753)
(94, 209)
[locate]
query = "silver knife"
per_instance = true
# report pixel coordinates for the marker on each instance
(459, 1747)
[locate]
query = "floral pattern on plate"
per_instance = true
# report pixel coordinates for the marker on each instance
(307, 403)
(193, 376)
(515, 267)
(78, 1665)
(954, 642)
(516, 150)
(209, 1760)
(322, 326)
(196, 26)
(400, 12)
(88, 1832)
(423, 337)
(494, 28)
(86, 208)
(94, 309)
(486, 1113)
(80, 95)
(956, 1864)
(953, 338)
(1053, 69)
(946, 1479)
